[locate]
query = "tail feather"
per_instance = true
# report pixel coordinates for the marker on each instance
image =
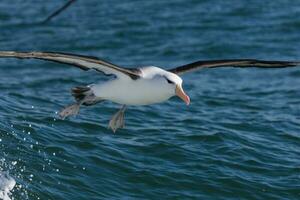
(80, 92)
(83, 96)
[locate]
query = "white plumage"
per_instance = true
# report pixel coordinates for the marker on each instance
(152, 87)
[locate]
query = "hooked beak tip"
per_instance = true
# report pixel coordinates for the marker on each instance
(181, 94)
(188, 101)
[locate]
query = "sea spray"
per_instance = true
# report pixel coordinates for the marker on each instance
(7, 183)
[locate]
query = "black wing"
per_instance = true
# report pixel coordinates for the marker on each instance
(232, 63)
(83, 62)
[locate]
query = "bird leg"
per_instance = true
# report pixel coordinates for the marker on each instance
(70, 110)
(117, 121)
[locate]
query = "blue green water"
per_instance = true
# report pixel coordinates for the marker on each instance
(239, 138)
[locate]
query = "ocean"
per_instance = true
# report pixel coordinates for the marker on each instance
(238, 139)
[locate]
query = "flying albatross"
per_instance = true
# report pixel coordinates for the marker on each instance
(133, 86)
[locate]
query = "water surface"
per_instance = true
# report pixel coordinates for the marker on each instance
(239, 138)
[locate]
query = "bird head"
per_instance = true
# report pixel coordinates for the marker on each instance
(175, 84)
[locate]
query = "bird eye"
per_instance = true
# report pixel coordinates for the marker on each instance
(171, 82)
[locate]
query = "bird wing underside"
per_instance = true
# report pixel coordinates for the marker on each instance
(80, 61)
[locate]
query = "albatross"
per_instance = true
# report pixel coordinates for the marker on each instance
(133, 86)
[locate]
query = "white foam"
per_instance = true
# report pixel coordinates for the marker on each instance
(7, 183)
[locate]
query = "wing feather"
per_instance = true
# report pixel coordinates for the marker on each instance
(232, 63)
(83, 62)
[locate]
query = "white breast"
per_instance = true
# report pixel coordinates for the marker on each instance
(134, 92)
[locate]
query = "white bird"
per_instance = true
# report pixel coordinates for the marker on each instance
(133, 86)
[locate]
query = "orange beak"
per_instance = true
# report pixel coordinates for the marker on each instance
(181, 94)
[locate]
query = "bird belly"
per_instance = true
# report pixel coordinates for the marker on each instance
(131, 93)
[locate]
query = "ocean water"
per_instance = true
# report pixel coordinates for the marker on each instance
(239, 138)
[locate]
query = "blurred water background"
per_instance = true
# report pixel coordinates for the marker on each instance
(239, 138)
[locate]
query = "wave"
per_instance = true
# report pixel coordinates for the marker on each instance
(7, 183)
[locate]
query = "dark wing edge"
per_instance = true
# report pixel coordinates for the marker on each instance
(233, 63)
(58, 11)
(80, 61)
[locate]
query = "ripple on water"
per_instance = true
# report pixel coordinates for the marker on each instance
(239, 138)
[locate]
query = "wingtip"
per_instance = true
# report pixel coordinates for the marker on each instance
(297, 63)
(291, 64)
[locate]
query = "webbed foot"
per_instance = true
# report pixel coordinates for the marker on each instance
(69, 111)
(117, 121)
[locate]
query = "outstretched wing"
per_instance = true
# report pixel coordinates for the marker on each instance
(83, 62)
(232, 63)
